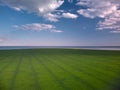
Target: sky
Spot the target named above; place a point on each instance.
(59, 22)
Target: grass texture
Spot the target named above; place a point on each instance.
(59, 69)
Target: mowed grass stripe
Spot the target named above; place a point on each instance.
(53, 75)
(59, 69)
(84, 70)
(25, 79)
(105, 61)
(6, 62)
(62, 75)
(100, 60)
(88, 65)
(46, 79)
(16, 72)
(7, 74)
(82, 75)
(94, 63)
(108, 78)
(35, 74)
(5, 59)
(66, 69)
(100, 67)
(2, 59)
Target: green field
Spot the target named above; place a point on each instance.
(59, 69)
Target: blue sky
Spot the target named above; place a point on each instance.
(59, 22)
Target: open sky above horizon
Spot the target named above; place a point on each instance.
(59, 22)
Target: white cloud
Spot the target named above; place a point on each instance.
(37, 27)
(114, 31)
(69, 15)
(111, 22)
(41, 7)
(109, 10)
(97, 8)
(57, 31)
(44, 8)
(51, 17)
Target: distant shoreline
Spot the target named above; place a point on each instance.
(118, 49)
(61, 47)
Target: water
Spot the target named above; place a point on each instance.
(69, 47)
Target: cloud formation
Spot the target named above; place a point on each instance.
(108, 10)
(41, 7)
(114, 31)
(97, 8)
(44, 8)
(69, 15)
(37, 27)
(111, 22)
(51, 17)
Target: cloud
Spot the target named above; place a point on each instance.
(41, 7)
(51, 17)
(108, 10)
(37, 27)
(114, 31)
(97, 8)
(112, 22)
(57, 31)
(69, 15)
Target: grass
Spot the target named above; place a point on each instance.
(59, 69)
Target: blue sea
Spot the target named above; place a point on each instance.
(68, 47)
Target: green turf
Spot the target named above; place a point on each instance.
(59, 69)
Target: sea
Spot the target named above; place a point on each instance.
(64, 47)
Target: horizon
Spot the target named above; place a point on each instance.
(61, 46)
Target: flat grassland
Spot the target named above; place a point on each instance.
(59, 69)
